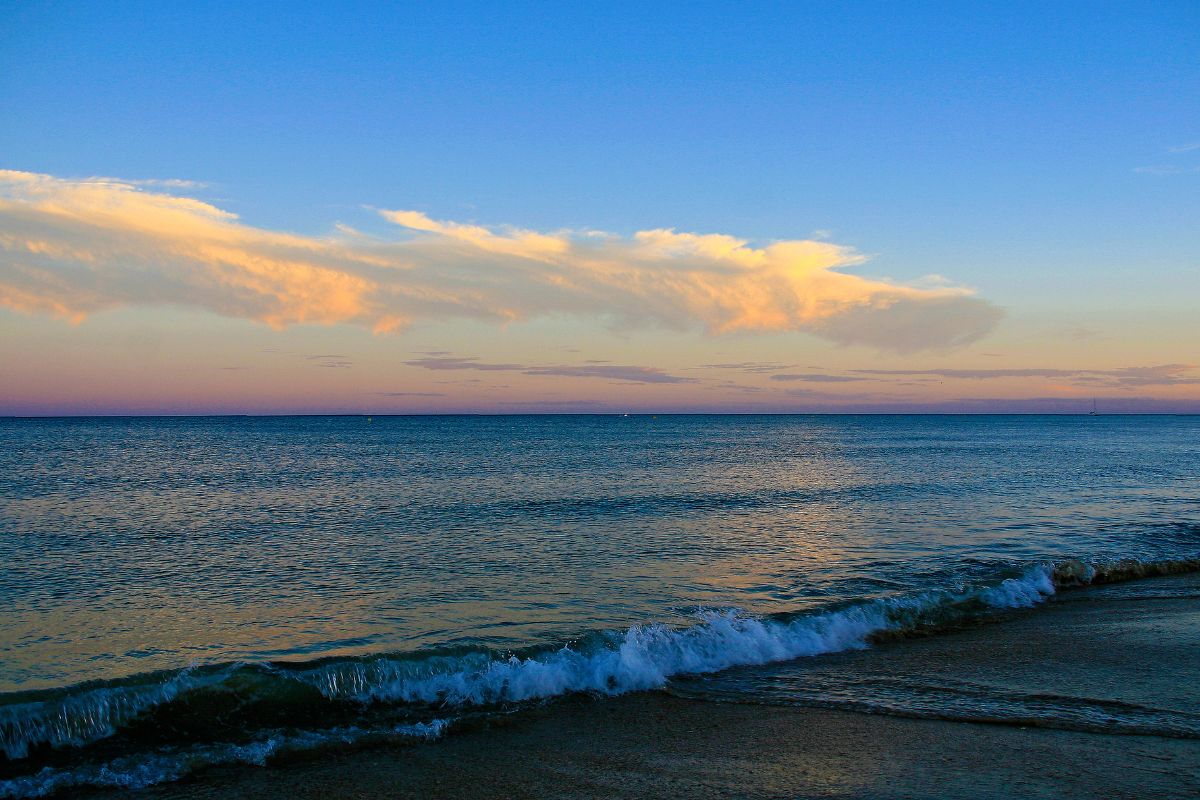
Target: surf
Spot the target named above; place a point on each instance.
(267, 708)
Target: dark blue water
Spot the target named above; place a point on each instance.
(305, 578)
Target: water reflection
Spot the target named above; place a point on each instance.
(133, 545)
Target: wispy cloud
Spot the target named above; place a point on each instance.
(839, 397)
(458, 362)
(1160, 375)
(1173, 169)
(1167, 169)
(735, 387)
(816, 377)
(330, 361)
(750, 366)
(551, 404)
(974, 374)
(612, 372)
(609, 371)
(411, 394)
(153, 183)
(76, 247)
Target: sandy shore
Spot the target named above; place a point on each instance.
(1119, 644)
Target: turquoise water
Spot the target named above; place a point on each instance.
(184, 591)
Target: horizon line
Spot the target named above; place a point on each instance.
(386, 414)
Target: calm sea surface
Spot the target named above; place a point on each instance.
(306, 577)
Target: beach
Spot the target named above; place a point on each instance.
(586, 400)
(1131, 645)
(598, 606)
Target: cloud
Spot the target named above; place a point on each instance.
(554, 403)
(75, 247)
(1184, 148)
(610, 371)
(613, 372)
(816, 377)
(734, 386)
(330, 361)
(975, 374)
(1166, 169)
(1160, 375)
(411, 394)
(750, 366)
(458, 362)
(838, 397)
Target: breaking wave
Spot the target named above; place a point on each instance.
(140, 770)
(251, 712)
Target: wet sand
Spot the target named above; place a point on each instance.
(1137, 643)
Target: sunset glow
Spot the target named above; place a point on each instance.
(381, 280)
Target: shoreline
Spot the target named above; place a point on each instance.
(1097, 643)
(654, 745)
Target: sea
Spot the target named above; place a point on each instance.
(177, 593)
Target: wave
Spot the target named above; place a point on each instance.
(395, 692)
(926, 697)
(87, 716)
(1071, 574)
(140, 770)
(985, 704)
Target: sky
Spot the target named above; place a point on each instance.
(599, 207)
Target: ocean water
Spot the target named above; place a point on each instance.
(180, 592)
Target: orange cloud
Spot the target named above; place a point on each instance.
(75, 247)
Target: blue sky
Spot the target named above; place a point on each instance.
(1035, 152)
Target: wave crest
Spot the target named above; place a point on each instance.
(417, 689)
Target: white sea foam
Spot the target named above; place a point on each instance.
(1024, 592)
(642, 657)
(147, 769)
(80, 719)
(646, 656)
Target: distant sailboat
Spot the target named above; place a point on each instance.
(1093, 412)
